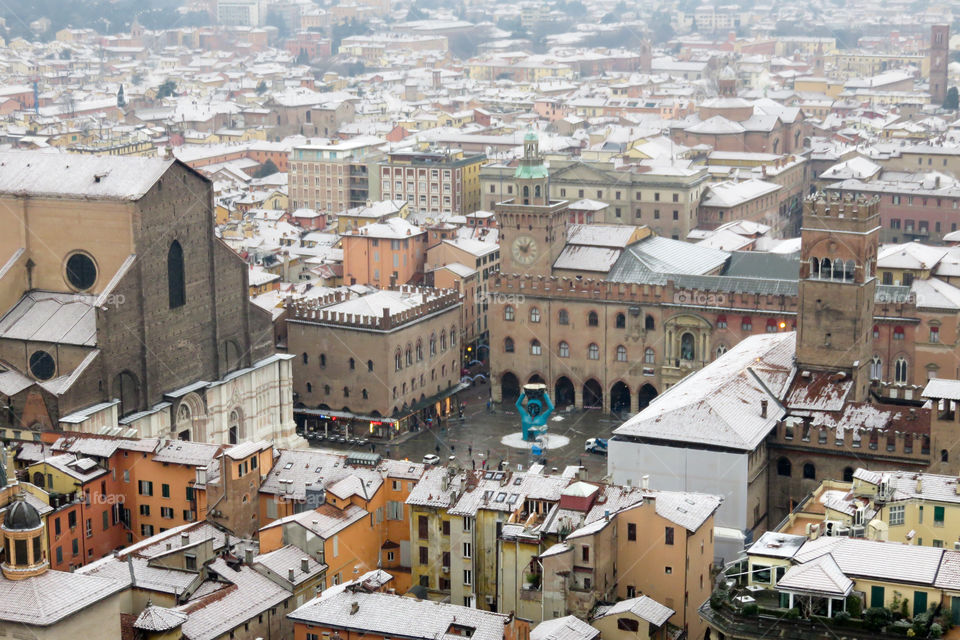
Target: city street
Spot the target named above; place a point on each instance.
(479, 434)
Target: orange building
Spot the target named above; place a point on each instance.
(384, 254)
(349, 508)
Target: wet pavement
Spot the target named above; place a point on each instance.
(478, 436)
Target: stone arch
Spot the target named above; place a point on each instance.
(191, 418)
(536, 378)
(592, 394)
(564, 393)
(509, 387)
(619, 397)
(646, 395)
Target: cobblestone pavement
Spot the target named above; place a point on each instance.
(479, 434)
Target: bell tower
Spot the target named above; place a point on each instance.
(533, 228)
(839, 242)
(939, 59)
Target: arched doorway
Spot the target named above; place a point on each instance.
(509, 388)
(563, 392)
(646, 396)
(536, 379)
(592, 395)
(620, 398)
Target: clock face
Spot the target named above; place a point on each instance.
(524, 250)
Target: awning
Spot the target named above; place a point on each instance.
(426, 402)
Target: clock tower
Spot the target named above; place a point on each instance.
(533, 228)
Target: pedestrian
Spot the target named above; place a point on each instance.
(489, 406)
(437, 448)
(580, 462)
(388, 452)
(452, 447)
(473, 461)
(488, 453)
(470, 450)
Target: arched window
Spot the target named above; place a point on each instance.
(825, 271)
(453, 336)
(809, 471)
(784, 468)
(649, 356)
(526, 191)
(323, 360)
(433, 344)
(397, 360)
(900, 371)
(621, 321)
(687, 349)
(648, 323)
(309, 388)
(443, 340)
(236, 431)
(408, 355)
(508, 345)
(849, 268)
(563, 350)
(38, 479)
(306, 358)
(326, 389)
(593, 319)
(353, 363)
(593, 351)
(746, 324)
(363, 393)
(369, 365)
(346, 392)
(848, 474)
(876, 368)
(934, 334)
(838, 269)
(419, 351)
(621, 353)
(508, 313)
(176, 276)
(944, 455)
(563, 317)
(535, 348)
(721, 349)
(534, 314)
(536, 191)
(814, 268)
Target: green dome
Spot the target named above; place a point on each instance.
(530, 137)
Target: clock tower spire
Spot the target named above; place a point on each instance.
(533, 228)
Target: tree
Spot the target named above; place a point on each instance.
(65, 54)
(268, 168)
(121, 100)
(302, 57)
(952, 102)
(415, 13)
(168, 88)
(262, 87)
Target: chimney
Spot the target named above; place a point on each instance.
(645, 482)
(184, 539)
(354, 607)
(919, 483)
(305, 564)
(290, 574)
(248, 555)
(763, 408)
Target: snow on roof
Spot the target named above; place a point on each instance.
(717, 125)
(588, 205)
(565, 628)
(821, 576)
(689, 510)
(391, 228)
(585, 258)
(776, 545)
(601, 235)
(857, 167)
(60, 318)
(909, 255)
(942, 388)
(643, 607)
(56, 175)
(47, 598)
(864, 558)
(390, 615)
(934, 293)
(373, 304)
(721, 404)
(726, 241)
(731, 194)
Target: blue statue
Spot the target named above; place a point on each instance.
(534, 417)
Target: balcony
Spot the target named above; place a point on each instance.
(764, 617)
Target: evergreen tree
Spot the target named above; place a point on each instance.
(952, 100)
(121, 100)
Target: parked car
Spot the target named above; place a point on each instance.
(595, 445)
(431, 459)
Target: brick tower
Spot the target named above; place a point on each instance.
(939, 59)
(840, 238)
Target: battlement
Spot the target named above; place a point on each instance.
(323, 310)
(909, 444)
(840, 206)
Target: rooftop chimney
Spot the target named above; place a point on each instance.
(184, 538)
(305, 564)
(763, 408)
(290, 574)
(248, 555)
(354, 607)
